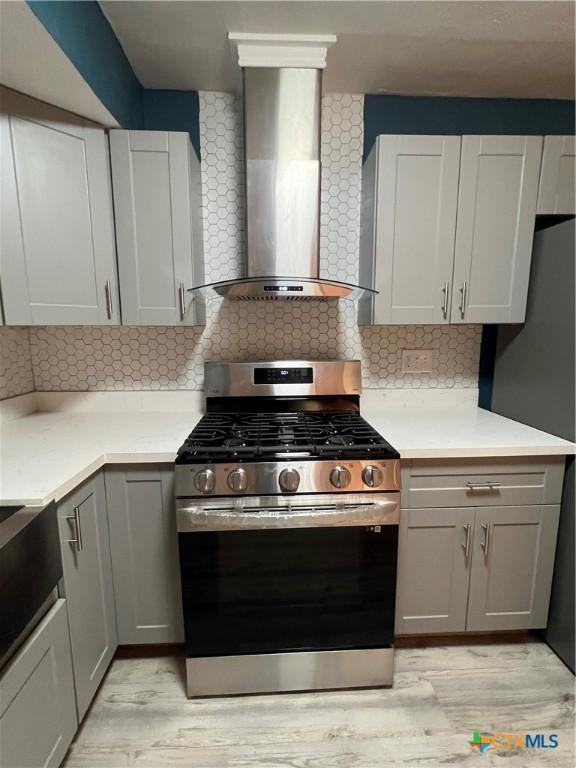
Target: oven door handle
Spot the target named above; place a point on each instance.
(194, 518)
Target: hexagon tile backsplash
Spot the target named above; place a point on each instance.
(124, 358)
(89, 358)
(16, 376)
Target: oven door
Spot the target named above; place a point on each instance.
(270, 575)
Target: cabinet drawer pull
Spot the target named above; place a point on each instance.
(463, 291)
(487, 528)
(488, 485)
(77, 528)
(466, 545)
(181, 297)
(108, 295)
(445, 301)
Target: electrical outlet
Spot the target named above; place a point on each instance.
(416, 360)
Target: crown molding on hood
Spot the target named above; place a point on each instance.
(277, 50)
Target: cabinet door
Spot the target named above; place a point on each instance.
(58, 260)
(37, 706)
(512, 564)
(556, 192)
(433, 570)
(495, 227)
(85, 543)
(155, 223)
(417, 191)
(144, 545)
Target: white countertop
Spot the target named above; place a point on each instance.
(441, 428)
(46, 454)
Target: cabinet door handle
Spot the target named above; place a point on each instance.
(182, 300)
(466, 545)
(77, 529)
(488, 485)
(445, 300)
(487, 528)
(463, 291)
(108, 295)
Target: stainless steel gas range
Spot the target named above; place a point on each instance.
(288, 507)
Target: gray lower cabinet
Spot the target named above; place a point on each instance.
(144, 546)
(475, 568)
(88, 587)
(512, 566)
(510, 481)
(37, 706)
(433, 576)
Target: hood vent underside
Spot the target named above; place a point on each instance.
(280, 289)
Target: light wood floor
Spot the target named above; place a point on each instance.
(141, 716)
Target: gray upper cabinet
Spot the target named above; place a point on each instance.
(57, 251)
(409, 197)
(82, 520)
(433, 570)
(512, 567)
(447, 224)
(37, 706)
(157, 203)
(145, 563)
(497, 196)
(556, 192)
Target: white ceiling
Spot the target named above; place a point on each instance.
(490, 48)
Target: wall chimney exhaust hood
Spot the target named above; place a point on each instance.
(282, 93)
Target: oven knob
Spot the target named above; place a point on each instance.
(238, 480)
(340, 477)
(204, 481)
(372, 476)
(289, 480)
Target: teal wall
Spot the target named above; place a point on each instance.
(173, 111)
(86, 37)
(456, 116)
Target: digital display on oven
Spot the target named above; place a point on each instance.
(283, 376)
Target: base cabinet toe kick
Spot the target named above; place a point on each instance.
(477, 542)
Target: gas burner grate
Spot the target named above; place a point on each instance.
(265, 436)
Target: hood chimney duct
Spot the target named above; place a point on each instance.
(282, 156)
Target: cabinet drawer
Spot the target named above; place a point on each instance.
(485, 482)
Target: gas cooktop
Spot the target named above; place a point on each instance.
(252, 437)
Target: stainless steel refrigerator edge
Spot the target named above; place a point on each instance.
(534, 383)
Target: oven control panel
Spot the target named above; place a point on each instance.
(324, 476)
(286, 375)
